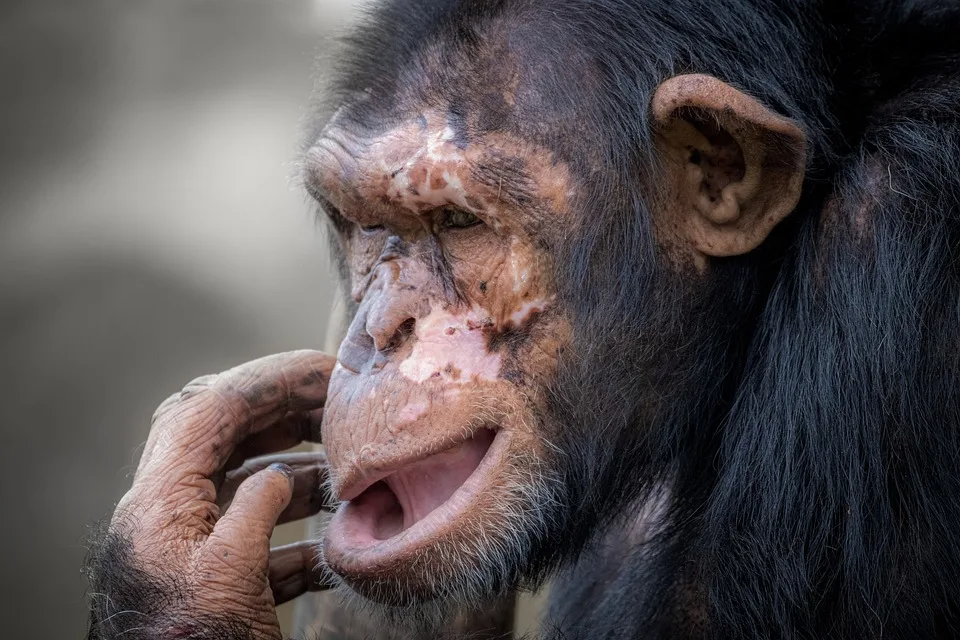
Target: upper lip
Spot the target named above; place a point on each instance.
(347, 366)
(358, 479)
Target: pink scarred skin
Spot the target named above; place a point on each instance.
(431, 409)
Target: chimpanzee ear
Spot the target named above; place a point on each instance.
(734, 167)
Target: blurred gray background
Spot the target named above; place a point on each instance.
(150, 232)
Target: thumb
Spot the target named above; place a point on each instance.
(249, 522)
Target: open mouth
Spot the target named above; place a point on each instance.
(412, 504)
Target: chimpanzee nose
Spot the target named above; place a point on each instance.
(374, 332)
(390, 328)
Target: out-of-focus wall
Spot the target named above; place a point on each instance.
(150, 232)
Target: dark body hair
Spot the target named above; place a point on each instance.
(809, 441)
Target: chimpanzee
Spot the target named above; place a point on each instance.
(654, 299)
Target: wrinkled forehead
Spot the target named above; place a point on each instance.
(514, 79)
(488, 122)
(431, 160)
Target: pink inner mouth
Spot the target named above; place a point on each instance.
(402, 499)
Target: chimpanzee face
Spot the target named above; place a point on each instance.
(433, 424)
(443, 446)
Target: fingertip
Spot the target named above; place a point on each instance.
(267, 482)
(259, 500)
(283, 468)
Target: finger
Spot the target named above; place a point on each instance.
(295, 569)
(310, 493)
(245, 529)
(290, 431)
(198, 434)
(151, 442)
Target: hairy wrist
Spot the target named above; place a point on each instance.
(127, 602)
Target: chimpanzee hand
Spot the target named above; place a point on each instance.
(187, 553)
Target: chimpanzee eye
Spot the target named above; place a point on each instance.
(373, 228)
(457, 219)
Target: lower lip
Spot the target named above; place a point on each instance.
(351, 550)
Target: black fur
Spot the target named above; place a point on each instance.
(807, 425)
(801, 405)
(133, 602)
(837, 509)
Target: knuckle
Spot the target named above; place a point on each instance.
(210, 397)
(164, 407)
(225, 394)
(203, 394)
(203, 384)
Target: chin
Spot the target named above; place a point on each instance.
(443, 531)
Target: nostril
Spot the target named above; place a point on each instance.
(388, 334)
(403, 331)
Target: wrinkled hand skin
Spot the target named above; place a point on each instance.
(187, 552)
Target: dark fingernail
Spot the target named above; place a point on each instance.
(282, 468)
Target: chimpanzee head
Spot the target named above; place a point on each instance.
(550, 238)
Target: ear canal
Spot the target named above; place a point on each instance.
(736, 168)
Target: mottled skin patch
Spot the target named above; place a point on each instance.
(456, 326)
(452, 324)
(382, 177)
(396, 184)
